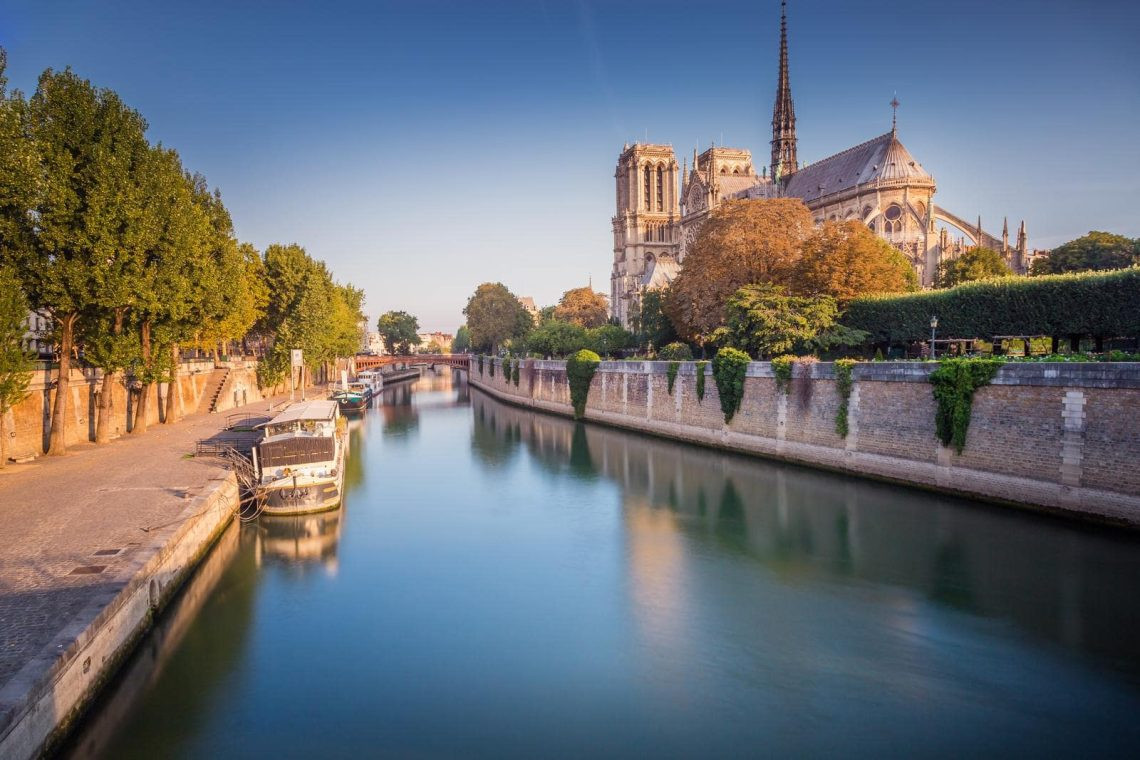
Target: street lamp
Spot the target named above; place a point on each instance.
(933, 327)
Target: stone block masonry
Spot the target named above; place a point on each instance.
(1062, 438)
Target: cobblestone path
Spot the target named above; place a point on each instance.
(70, 523)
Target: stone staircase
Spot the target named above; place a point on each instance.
(213, 391)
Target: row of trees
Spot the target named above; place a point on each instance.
(497, 322)
(133, 258)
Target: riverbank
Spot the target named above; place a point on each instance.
(96, 543)
(1057, 438)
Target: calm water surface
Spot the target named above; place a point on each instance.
(505, 584)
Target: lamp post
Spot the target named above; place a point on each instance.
(933, 327)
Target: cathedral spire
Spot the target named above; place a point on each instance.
(784, 113)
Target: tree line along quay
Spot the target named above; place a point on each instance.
(132, 259)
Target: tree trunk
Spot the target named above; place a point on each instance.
(3, 439)
(1098, 344)
(1075, 343)
(171, 388)
(58, 445)
(103, 421)
(144, 397)
(1056, 349)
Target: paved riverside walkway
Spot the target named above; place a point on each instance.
(72, 524)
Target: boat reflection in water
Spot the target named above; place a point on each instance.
(300, 539)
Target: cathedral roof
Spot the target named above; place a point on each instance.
(882, 159)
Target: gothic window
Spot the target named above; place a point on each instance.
(866, 212)
(660, 188)
(648, 188)
(872, 226)
(893, 212)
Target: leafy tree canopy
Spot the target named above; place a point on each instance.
(583, 307)
(608, 339)
(556, 338)
(764, 321)
(743, 242)
(400, 331)
(655, 326)
(494, 316)
(845, 260)
(1096, 250)
(977, 263)
(462, 341)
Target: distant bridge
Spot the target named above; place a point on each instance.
(458, 361)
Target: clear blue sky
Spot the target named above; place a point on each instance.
(422, 147)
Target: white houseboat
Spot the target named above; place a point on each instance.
(300, 461)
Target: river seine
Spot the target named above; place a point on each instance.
(501, 583)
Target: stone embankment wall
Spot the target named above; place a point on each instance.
(1058, 437)
(29, 422)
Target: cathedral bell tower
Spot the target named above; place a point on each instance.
(784, 162)
(645, 224)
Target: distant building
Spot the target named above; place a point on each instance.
(37, 334)
(528, 304)
(443, 339)
(373, 343)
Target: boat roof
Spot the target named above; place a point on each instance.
(306, 410)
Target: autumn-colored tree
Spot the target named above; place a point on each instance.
(743, 242)
(583, 307)
(977, 263)
(15, 360)
(1096, 250)
(845, 260)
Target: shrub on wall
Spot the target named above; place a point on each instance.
(1098, 304)
(701, 380)
(801, 379)
(782, 368)
(515, 373)
(677, 352)
(729, 368)
(580, 369)
(480, 364)
(491, 366)
(843, 385)
(955, 381)
(672, 374)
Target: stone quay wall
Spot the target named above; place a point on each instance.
(1062, 438)
(194, 387)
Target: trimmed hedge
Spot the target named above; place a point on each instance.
(1104, 304)
(580, 369)
(729, 369)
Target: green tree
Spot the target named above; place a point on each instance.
(400, 331)
(1096, 250)
(556, 338)
(606, 340)
(173, 279)
(764, 321)
(462, 342)
(583, 307)
(656, 328)
(494, 316)
(977, 263)
(15, 361)
(62, 229)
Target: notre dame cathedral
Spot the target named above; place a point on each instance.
(877, 182)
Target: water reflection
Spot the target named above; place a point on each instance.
(300, 539)
(1072, 586)
(516, 585)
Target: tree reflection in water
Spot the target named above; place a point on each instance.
(827, 528)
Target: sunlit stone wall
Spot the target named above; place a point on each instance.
(1060, 437)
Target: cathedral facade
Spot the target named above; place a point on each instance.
(661, 206)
